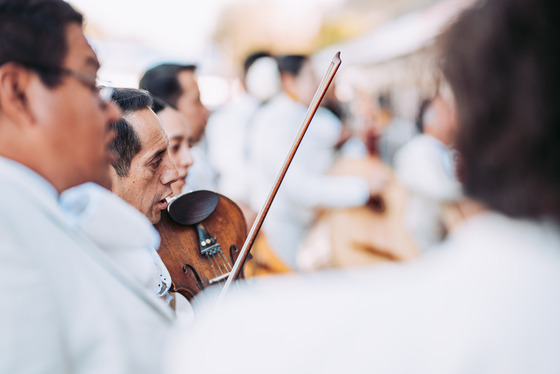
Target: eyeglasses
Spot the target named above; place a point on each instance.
(89, 80)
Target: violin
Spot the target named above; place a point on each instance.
(202, 231)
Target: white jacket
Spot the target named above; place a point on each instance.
(66, 306)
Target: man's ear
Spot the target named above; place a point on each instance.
(15, 81)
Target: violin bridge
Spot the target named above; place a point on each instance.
(220, 278)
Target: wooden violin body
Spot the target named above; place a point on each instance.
(200, 251)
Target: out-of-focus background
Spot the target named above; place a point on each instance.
(385, 44)
(368, 137)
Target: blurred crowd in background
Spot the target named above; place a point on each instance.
(375, 177)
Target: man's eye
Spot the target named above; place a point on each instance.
(157, 162)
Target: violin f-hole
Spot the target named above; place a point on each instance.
(188, 270)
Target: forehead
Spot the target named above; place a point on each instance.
(306, 70)
(174, 123)
(150, 132)
(80, 54)
(187, 80)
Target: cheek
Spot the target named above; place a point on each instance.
(89, 129)
(175, 156)
(136, 190)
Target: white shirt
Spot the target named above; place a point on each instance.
(426, 168)
(397, 133)
(125, 234)
(486, 301)
(67, 307)
(227, 134)
(202, 175)
(306, 186)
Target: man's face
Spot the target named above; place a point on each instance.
(151, 171)
(79, 130)
(180, 142)
(306, 83)
(303, 86)
(447, 122)
(190, 105)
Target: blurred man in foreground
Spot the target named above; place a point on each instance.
(67, 308)
(486, 300)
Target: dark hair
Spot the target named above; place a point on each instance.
(385, 102)
(33, 33)
(501, 59)
(162, 82)
(127, 143)
(251, 59)
(158, 105)
(291, 64)
(422, 108)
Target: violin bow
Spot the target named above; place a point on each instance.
(319, 94)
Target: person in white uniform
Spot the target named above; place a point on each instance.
(143, 175)
(177, 86)
(484, 301)
(306, 186)
(67, 307)
(229, 128)
(426, 167)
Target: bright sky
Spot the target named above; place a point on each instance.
(179, 25)
(182, 26)
(130, 35)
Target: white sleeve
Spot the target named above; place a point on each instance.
(31, 338)
(420, 168)
(307, 182)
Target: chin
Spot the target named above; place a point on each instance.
(155, 218)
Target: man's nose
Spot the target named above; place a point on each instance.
(206, 112)
(170, 174)
(185, 157)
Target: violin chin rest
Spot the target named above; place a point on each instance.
(192, 207)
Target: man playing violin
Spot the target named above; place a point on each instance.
(143, 172)
(149, 168)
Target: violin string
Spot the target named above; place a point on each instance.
(226, 263)
(211, 259)
(215, 258)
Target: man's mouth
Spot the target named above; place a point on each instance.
(163, 204)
